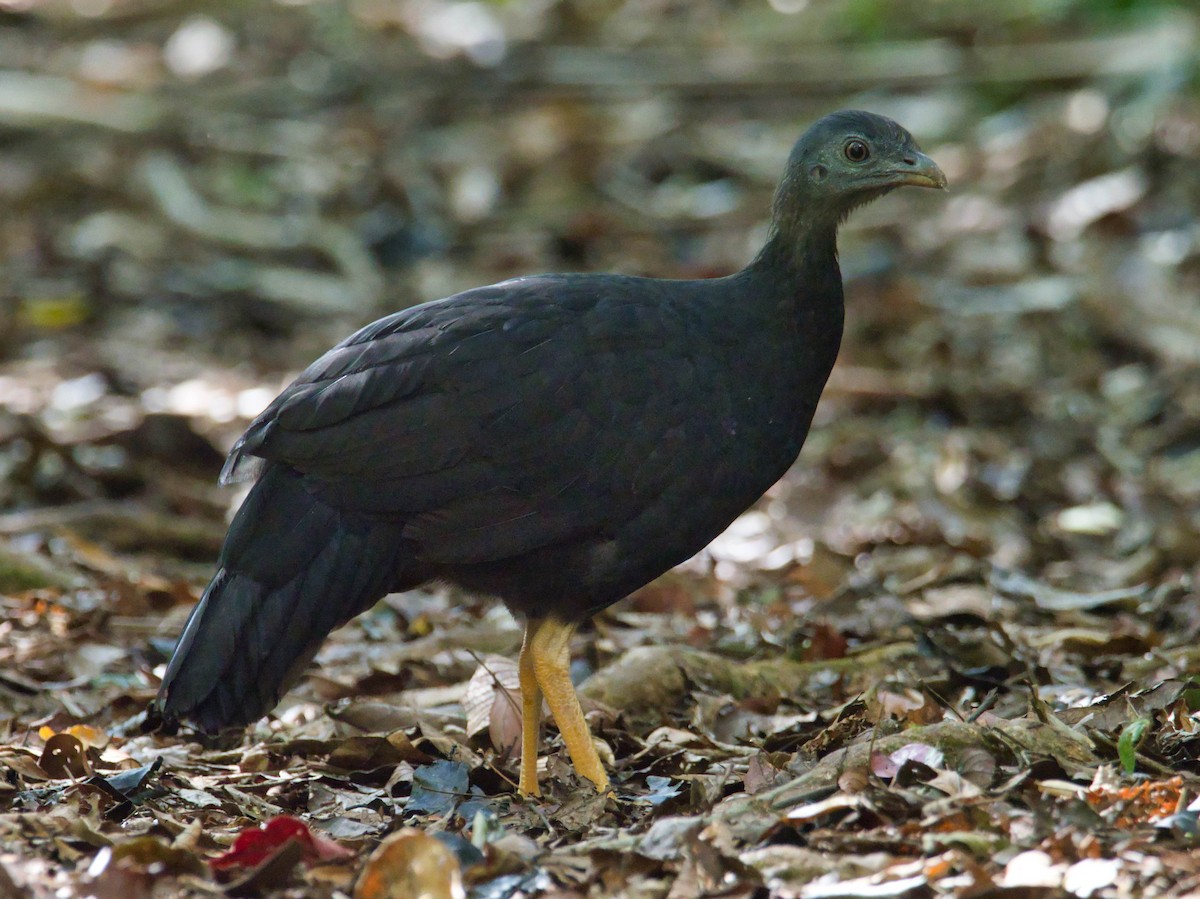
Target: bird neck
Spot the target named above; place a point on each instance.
(799, 266)
(798, 286)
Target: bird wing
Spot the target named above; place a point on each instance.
(499, 420)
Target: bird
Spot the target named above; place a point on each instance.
(555, 441)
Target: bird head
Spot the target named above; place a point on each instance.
(844, 160)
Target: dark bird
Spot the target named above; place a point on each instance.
(555, 441)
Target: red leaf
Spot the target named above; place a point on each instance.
(254, 844)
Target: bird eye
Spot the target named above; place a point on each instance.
(856, 151)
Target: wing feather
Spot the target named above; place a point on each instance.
(493, 422)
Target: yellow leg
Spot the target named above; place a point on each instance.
(531, 714)
(549, 650)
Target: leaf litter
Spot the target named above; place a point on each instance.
(950, 654)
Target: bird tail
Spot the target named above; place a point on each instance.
(292, 569)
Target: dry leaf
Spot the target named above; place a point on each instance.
(410, 864)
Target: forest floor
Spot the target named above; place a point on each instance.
(953, 653)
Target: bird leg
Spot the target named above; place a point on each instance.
(531, 713)
(548, 644)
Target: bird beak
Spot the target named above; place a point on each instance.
(922, 172)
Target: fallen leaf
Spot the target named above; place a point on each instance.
(437, 788)
(86, 735)
(1087, 876)
(254, 844)
(410, 864)
(493, 703)
(65, 756)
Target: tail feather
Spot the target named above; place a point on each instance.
(292, 569)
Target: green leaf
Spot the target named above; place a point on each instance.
(1131, 738)
(1191, 698)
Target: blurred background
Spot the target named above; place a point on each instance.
(196, 200)
(1001, 489)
